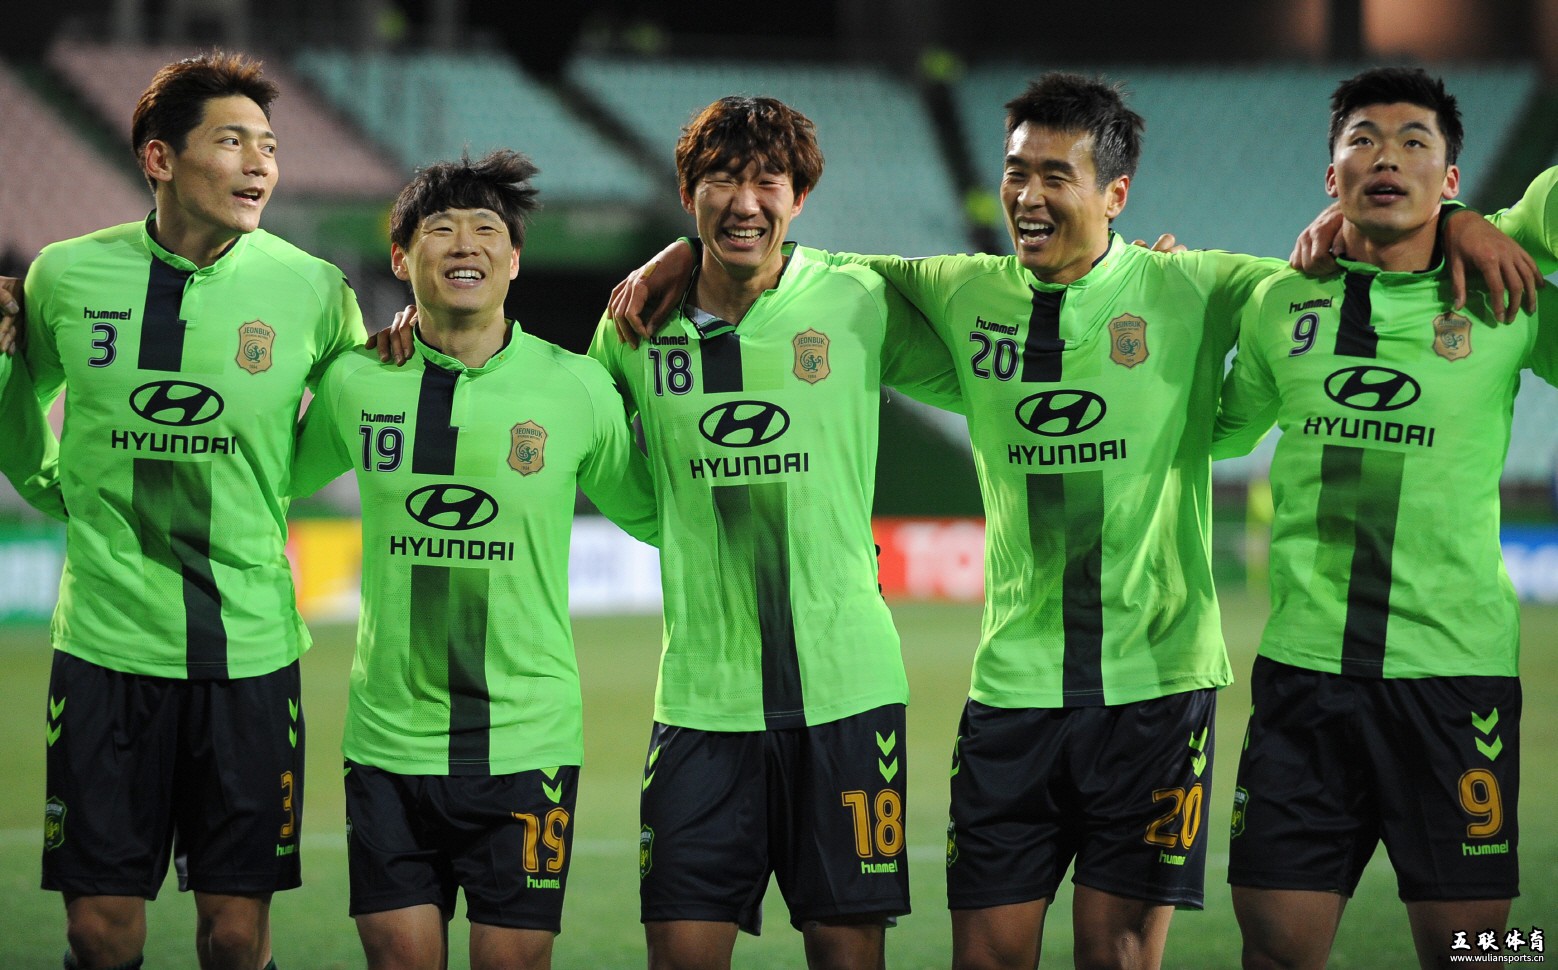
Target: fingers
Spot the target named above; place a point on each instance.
(401, 334)
(10, 315)
(1457, 280)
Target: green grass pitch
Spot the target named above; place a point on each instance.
(600, 924)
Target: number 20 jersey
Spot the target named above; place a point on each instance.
(1091, 408)
(183, 390)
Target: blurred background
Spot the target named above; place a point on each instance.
(907, 98)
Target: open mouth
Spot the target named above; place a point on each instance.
(1034, 231)
(1385, 192)
(745, 235)
(465, 275)
(250, 195)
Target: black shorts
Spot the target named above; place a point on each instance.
(1122, 790)
(504, 839)
(1333, 764)
(140, 767)
(820, 807)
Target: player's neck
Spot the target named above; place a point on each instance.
(729, 295)
(1407, 253)
(201, 245)
(470, 340)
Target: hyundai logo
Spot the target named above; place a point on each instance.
(1059, 414)
(744, 424)
(177, 403)
(1372, 388)
(452, 507)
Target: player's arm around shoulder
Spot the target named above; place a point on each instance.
(915, 359)
(320, 450)
(39, 319)
(1543, 357)
(615, 475)
(340, 324)
(1227, 282)
(1533, 221)
(1248, 407)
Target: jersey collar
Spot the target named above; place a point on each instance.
(228, 258)
(443, 361)
(707, 325)
(1098, 271)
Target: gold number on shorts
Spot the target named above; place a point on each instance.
(291, 824)
(1187, 806)
(1480, 798)
(549, 832)
(888, 831)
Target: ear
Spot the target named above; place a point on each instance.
(398, 263)
(686, 200)
(1117, 192)
(1452, 183)
(514, 263)
(800, 202)
(157, 160)
(1330, 182)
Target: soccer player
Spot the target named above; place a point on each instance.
(1386, 695)
(778, 744)
(1090, 371)
(185, 342)
(464, 730)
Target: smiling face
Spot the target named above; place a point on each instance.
(215, 188)
(742, 218)
(1056, 214)
(1388, 173)
(459, 263)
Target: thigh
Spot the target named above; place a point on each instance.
(1448, 763)
(112, 742)
(1011, 833)
(1306, 812)
(509, 840)
(836, 818)
(1142, 773)
(703, 841)
(414, 938)
(393, 858)
(240, 781)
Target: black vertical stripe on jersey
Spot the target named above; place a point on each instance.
(755, 521)
(449, 624)
(1355, 337)
(720, 363)
(432, 450)
(1374, 479)
(1066, 524)
(162, 331)
(1041, 351)
(172, 505)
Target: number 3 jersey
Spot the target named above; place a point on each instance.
(468, 475)
(762, 440)
(1395, 412)
(183, 392)
(1091, 408)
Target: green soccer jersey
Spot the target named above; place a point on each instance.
(184, 385)
(762, 441)
(1395, 413)
(465, 662)
(1090, 409)
(29, 452)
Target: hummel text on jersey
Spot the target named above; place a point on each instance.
(384, 418)
(1006, 328)
(173, 444)
(1370, 429)
(87, 313)
(792, 461)
(1309, 305)
(471, 550)
(1069, 454)
(867, 868)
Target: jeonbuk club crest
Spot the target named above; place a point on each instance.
(527, 448)
(255, 340)
(1127, 340)
(646, 850)
(811, 356)
(1452, 336)
(53, 824)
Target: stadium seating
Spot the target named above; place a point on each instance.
(319, 155)
(49, 172)
(429, 107)
(885, 187)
